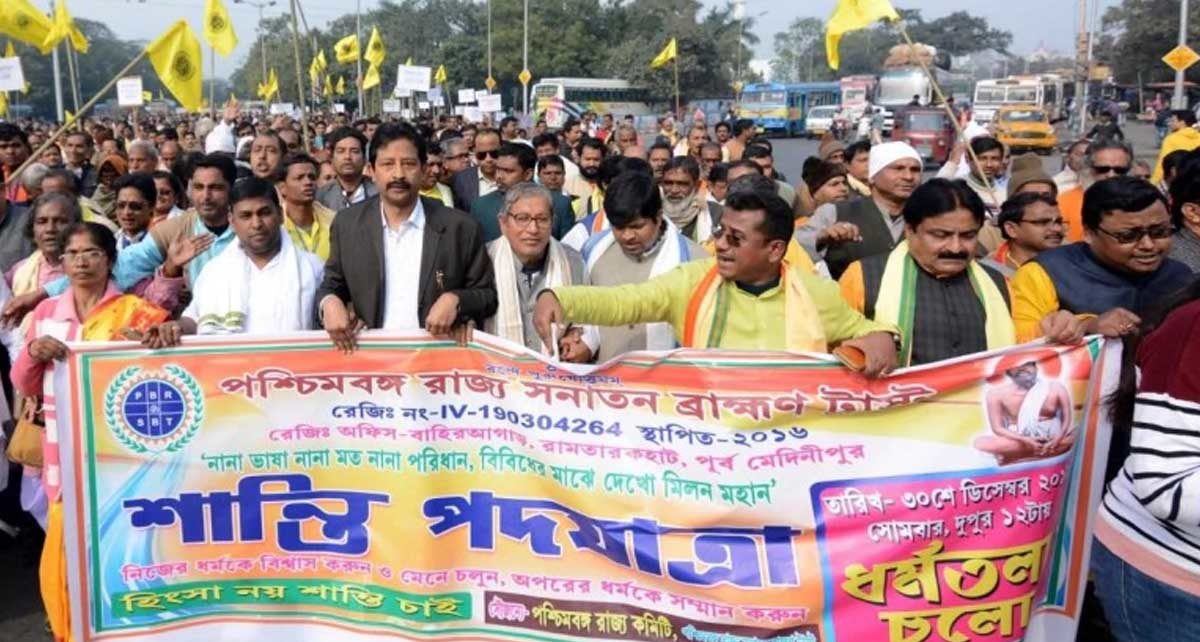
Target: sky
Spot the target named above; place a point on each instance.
(1053, 28)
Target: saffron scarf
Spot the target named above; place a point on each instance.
(104, 323)
(897, 302)
(707, 314)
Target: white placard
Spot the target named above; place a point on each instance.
(473, 114)
(466, 96)
(459, 110)
(435, 95)
(402, 93)
(285, 109)
(490, 103)
(406, 113)
(413, 78)
(12, 77)
(391, 106)
(423, 104)
(480, 93)
(129, 91)
(339, 108)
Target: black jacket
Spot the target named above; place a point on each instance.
(453, 259)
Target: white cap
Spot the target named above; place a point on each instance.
(220, 139)
(888, 153)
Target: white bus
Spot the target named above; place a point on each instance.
(1045, 91)
(557, 99)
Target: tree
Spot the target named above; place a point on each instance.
(958, 33)
(800, 52)
(1139, 33)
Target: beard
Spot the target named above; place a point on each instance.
(591, 174)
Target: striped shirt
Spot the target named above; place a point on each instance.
(1151, 511)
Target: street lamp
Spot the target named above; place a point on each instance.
(260, 5)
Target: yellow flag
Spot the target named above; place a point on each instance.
(317, 67)
(664, 56)
(64, 27)
(147, 97)
(9, 51)
(439, 77)
(372, 77)
(68, 117)
(376, 52)
(328, 87)
(852, 15)
(176, 58)
(218, 29)
(4, 103)
(341, 86)
(346, 49)
(270, 87)
(25, 22)
(408, 63)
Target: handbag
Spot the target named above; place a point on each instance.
(25, 445)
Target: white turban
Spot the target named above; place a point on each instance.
(220, 139)
(888, 153)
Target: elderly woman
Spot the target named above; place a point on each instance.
(52, 213)
(91, 309)
(105, 197)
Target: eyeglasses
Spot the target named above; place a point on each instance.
(494, 153)
(1045, 222)
(523, 221)
(89, 255)
(1119, 170)
(1135, 234)
(455, 156)
(732, 238)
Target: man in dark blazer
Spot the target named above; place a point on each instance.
(399, 261)
(480, 179)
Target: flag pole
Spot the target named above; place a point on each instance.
(299, 79)
(86, 106)
(74, 79)
(937, 89)
(212, 84)
(675, 59)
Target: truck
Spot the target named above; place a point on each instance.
(857, 93)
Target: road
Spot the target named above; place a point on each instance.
(21, 617)
(791, 152)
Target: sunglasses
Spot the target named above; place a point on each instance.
(1135, 234)
(1110, 169)
(495, 153)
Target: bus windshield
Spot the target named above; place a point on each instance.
(1024, 116)
(546, 91)
(765, 97)
(989, 95)
(1022, 95)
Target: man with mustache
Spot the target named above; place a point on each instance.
(399, 261)
(684, 204)
(306, 221)
(348, 153)
(1031, 224)
(591, 154)
(1106, 283)
(845, 232)
(944, 302)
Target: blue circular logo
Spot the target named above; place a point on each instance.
(154, 409)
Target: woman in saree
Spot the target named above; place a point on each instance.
(91, 309)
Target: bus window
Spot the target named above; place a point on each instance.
(1022, 95)
(546, 91)
(989, 95)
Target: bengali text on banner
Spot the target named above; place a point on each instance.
(416, 490)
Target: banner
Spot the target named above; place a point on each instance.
(261, 489)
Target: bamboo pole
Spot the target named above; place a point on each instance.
(86, 106)
(299, 80)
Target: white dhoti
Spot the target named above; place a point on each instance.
(1029, 419)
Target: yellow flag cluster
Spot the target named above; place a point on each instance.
(63, 28)
(175, 56)
(328, 92)
(317, 67)
(376, 52)
(346, 49)
(24, 22)
(853, 15)
(439, 76)
(340, 89)
(666, 55)
(218, 29)
(270, 88)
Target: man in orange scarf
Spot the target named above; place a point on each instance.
(747, 298)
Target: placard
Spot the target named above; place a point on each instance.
(12, 76)
(435, 95)
(480, 93)
(402, 93)
(490, 103)
(339, 108)
(466, 96)
(460, 110)
(284, 109)
(129, 91)
(406, 113)
(413, 77)
(473, 114)
(423, 104)
(391, 106)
